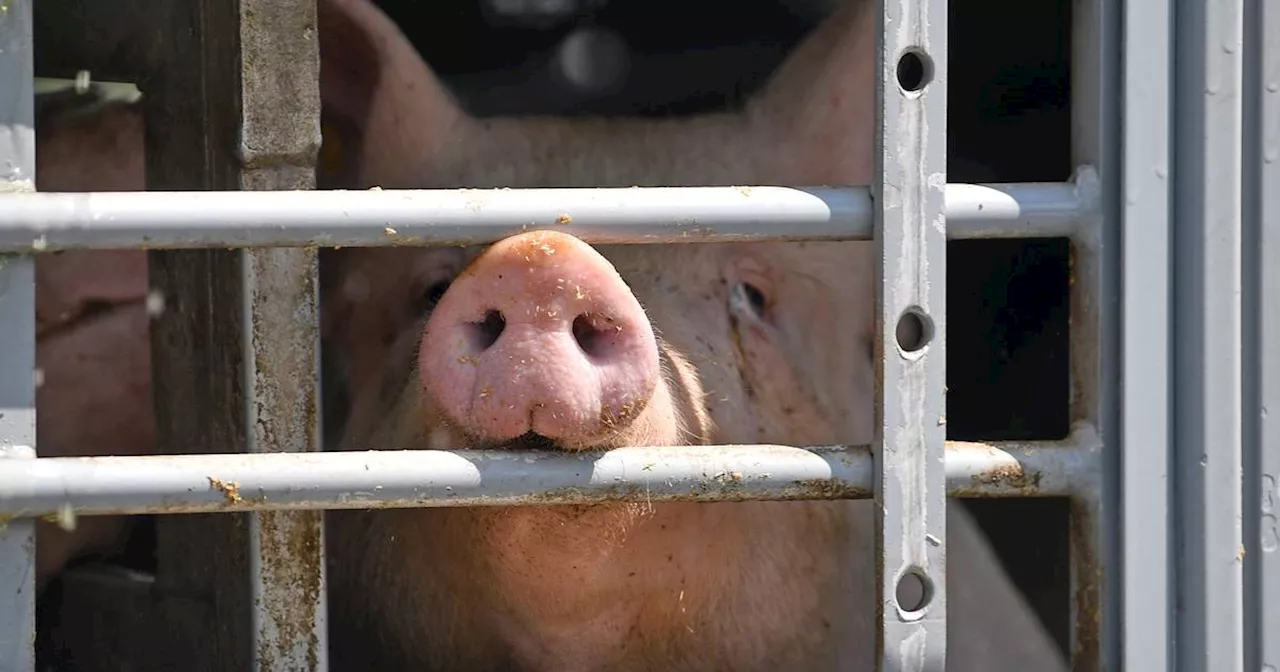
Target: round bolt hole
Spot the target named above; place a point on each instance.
(915, 70)
(914, 591)
(915, 330)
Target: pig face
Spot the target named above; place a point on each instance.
(779, 333)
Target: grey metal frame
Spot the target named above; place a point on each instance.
(1171, 468)
(1208, 332)
(18, 334)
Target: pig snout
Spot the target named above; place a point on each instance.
(540, 336)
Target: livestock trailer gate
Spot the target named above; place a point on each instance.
(1173, 218)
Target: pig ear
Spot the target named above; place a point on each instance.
(385, 113)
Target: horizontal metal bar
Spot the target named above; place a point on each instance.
(124, 92)
(158, 484)
(376, 218)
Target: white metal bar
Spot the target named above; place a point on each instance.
(229, 482)
(1262, 334)
(1207, 365)
(236, 219)
(1146, 401)
(17, 336)
(910, 237)
(280, 125)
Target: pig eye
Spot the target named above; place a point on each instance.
(752, 298)
(432, 295)
(755, 297)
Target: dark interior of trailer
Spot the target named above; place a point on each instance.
(1009, 120)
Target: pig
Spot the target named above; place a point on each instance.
(94, 363)
(542, 340)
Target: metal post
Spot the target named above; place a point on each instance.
(1095, 331)
(910, 238)
(280, 139)
(281, 371)
(234, 352)
(1145, 448)
(1262, 336)
(17, 337)
(1207, 365)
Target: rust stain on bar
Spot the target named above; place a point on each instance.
(229, 489)
(1088, 577)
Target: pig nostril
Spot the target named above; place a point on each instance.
(488, 330)
(589, 337)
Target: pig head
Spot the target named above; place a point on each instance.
(542, 341)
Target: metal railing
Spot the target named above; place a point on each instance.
(1178, 369)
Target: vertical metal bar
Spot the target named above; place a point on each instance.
(1095, 330)
(281, 368)
(1262, 334)
(910, 239)
(233, 103)
(280, 139)
(17, 438)
(1145, 448)
(1208, 330)
(17, 336)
